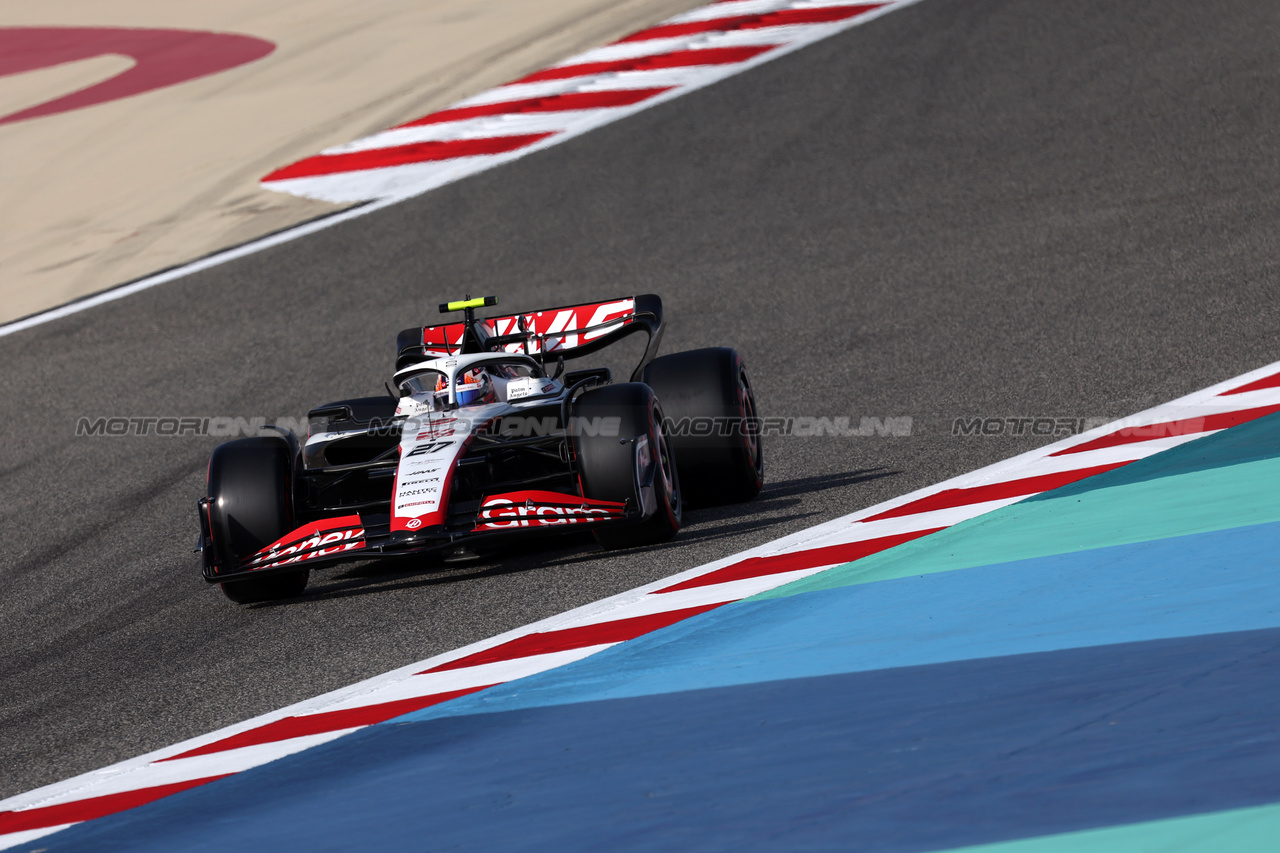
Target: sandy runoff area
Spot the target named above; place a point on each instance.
(97, 195)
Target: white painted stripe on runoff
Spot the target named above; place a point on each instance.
(209, 262)
(119, 779)
(449, 680)
(13, 839)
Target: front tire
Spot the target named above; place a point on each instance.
(251, 507)
(713, 426)
(607, 464)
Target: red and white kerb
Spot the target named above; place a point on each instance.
(676, 56)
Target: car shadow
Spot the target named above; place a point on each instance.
(766, 510)
(702, 524)
(786, 493)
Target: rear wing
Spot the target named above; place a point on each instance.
(570, 331)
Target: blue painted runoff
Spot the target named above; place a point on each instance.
(1226, 580)
(895, 761)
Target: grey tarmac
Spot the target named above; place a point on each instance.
(965, 209)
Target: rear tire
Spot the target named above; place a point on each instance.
(250, 485)
(709, 387)
(607, 464)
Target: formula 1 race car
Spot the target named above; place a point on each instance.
(479, 443)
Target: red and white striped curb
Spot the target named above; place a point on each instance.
(646, 68)
(580, 633)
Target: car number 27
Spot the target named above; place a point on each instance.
(430, 447)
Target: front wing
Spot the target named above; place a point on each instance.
(343, 538)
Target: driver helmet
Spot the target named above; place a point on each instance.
(474, 387)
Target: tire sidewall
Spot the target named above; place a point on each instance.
(606, 463)
(251, 490)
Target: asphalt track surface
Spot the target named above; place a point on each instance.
(994, 208)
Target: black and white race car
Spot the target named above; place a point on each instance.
(481, 443)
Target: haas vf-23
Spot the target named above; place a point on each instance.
(487, 438)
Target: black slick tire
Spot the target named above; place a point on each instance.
(249, 484)
(606, 461)
(712, 424)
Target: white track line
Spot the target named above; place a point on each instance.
(214, 260)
